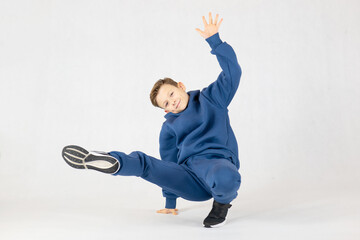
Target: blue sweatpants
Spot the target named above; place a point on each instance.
(199, 179)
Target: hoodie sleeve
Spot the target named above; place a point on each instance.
(222, 91)
(170, 199)
(168, 152)
(167, 142)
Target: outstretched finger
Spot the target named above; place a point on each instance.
(199, 31)
(204, 21)
(210, 18)
(216, 19)
(219, 23)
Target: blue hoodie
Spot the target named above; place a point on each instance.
(203, 128)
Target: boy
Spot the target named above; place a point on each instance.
(199, 154)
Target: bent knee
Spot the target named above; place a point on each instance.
(225, 177)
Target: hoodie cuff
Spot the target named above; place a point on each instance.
(170, 203)
(214, 40)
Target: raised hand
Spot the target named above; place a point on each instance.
(210, 28)
(167, 211)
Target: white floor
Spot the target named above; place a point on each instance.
(253, 216)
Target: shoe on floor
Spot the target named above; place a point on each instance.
(78, 157)
(217, 215)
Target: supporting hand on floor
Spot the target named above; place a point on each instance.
(167, 211)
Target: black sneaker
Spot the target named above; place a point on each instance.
(217, 215)
(78, 157)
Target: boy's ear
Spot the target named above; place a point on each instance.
(181, 85)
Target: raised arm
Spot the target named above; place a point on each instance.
(224, 88)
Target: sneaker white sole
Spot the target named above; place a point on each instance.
(216, 226)
(80, 158)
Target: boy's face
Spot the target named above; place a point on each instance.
(172, 99)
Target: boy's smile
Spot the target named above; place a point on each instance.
(172, 99)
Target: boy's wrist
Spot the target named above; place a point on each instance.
(170, 203)
(214, 40)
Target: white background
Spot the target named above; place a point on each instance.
(80, 72)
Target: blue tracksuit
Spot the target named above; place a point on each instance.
(197, 146)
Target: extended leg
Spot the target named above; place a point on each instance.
(167, 175)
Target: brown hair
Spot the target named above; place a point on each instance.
(155, 90)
